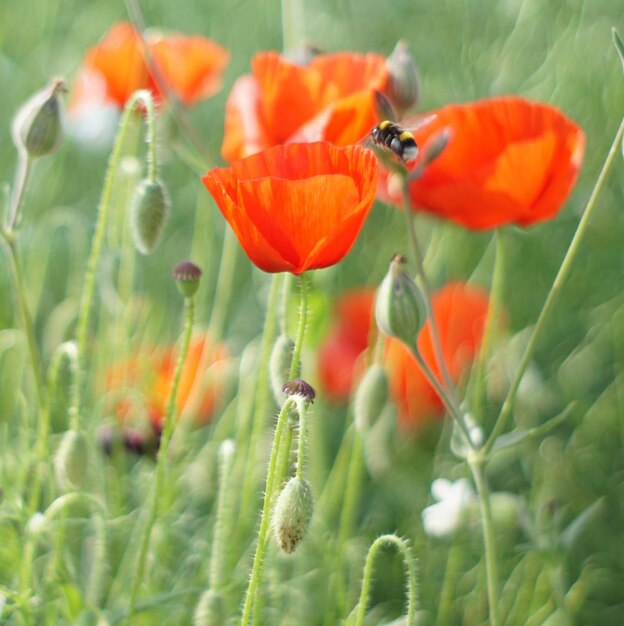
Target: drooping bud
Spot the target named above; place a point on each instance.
(187, 276)
(299, 387)
(37, 127)
(370, 397)
(279, 365)
(436, 146)
(210, 610)
(404, 85)
(148, 214)
(292, 514)
(399, 306)
(71, 462)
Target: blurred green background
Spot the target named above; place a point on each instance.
(557, 52)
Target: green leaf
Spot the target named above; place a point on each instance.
(580, 523)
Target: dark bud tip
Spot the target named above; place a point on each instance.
(299, 387)
(187, 276)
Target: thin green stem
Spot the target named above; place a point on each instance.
(221, 529)
(302, 410)
(493, 312)
(491, 566)
(449, 401)
(292, 24)
(86, 301)
(161, 460)
(256, 570)
(555, 290)
(425, 286)
(410, 567)
(261, 402)
(24, 168)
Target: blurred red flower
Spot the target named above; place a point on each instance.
(140, 386)
(332, 98)
(460, 311)
(191, 66)
(296, 207)
(508, 161)
(347, 340)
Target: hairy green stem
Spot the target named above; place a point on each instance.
(555, 290)
(24, 168)
(412, 584)
(161, 460)
(86, 301)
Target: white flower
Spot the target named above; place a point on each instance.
(445, 517)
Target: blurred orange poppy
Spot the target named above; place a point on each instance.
(140, 387)
(191, 66)
(332, 98)
(508, 161)
(460, 311)
(296, 207)
(339, 353)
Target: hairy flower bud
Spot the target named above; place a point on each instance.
(370, 397)
(279, 365)
(148, 214)
(187, 276)
(436, 145)
(72, 461)
(404, 84)
(210, 610)
(37, 127)
(399, 306)
(292, 514)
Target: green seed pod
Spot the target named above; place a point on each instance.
(37, 127)
(148, 214)
(210, 610)
(399, 306)
(187, 276)
(279, 365)
(292, 514)
(71, 462)
(370, 397)
(404, 84)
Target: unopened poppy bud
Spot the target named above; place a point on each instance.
(370, 397)
(300, 388)
(505, 510)
(399, 306)
(435, 146)
(210, 610)
(404, 85)
(279, 365)
(71, 462)
(187, 276)
(37, 127)
(148, 214)
(292, 514)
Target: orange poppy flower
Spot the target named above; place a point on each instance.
(338, 355)
(460, 312)
(141, 386)
(296, 207)
(332, 98)
(115, 68)
(508, 161)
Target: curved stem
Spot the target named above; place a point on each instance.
(449, 401)
(425, 286)
(302, 409)
(86, 301)
(412, 586)
(161, 460)
(476, 466)
(24, 167)
(493, 312)
(555, 290)
(256, 570)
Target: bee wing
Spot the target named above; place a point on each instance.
(415, 125)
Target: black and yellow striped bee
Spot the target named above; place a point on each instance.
(397, 139)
